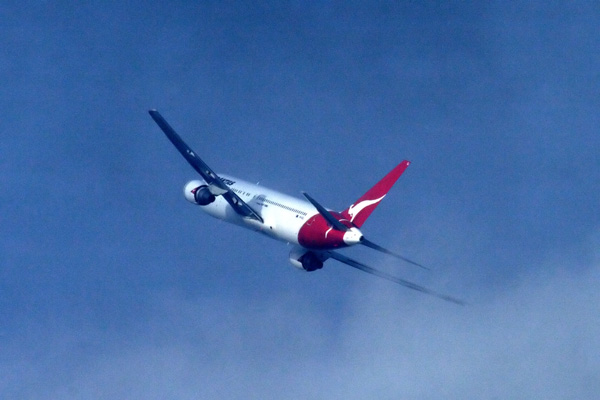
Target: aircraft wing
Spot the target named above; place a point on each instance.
(400, 281)
(216, 186)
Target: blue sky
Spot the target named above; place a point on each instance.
(112, 286)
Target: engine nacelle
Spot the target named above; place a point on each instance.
(305, 260)
(198, 193)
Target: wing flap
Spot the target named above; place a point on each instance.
(216, 186)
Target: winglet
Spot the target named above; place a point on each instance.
(362, 208)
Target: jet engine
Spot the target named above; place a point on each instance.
(198, 193)
(306, 260)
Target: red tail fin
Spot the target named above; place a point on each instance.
(358, 212)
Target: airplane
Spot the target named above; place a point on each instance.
(315, 232)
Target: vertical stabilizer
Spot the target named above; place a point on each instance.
(358, 212)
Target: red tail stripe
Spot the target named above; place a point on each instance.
(364, 206)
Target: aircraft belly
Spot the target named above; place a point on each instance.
(280, 224)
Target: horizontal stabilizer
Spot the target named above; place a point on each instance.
(400, 281)
(377, 247)
(329, 217)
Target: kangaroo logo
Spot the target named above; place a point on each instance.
(354, 210)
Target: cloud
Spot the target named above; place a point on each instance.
(539, 339)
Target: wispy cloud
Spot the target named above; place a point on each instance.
(540, 339)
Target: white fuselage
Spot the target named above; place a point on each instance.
(283, 215)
